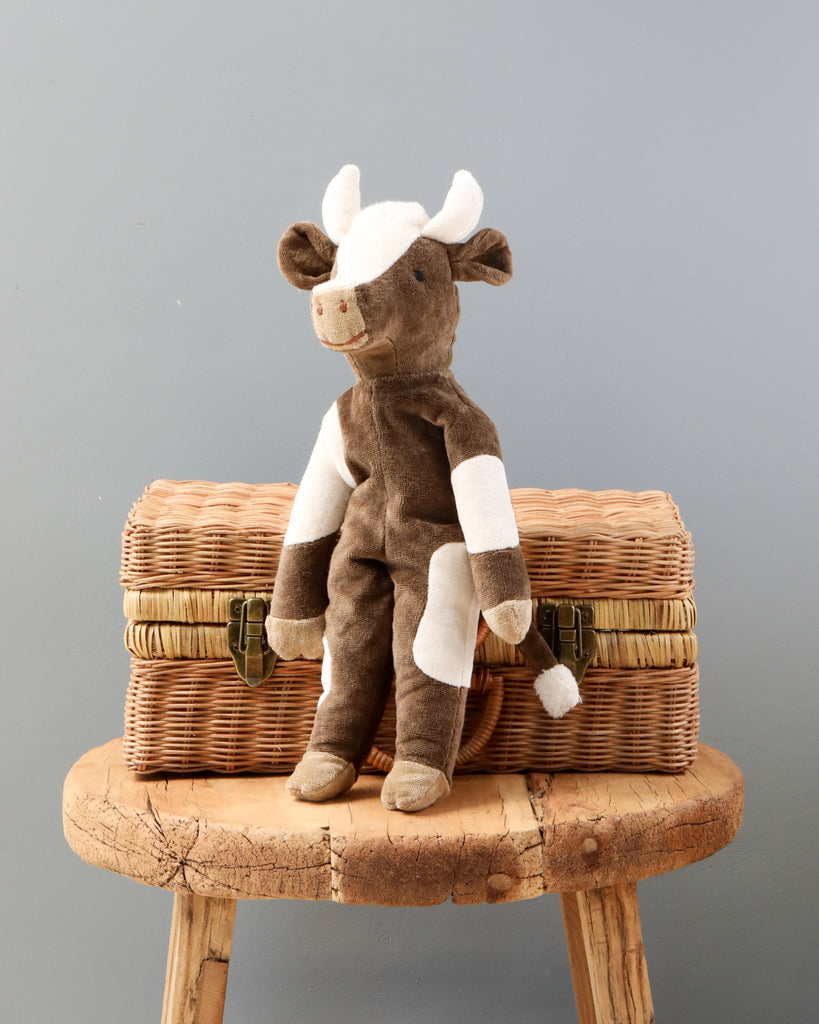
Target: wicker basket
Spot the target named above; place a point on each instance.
(190, 547)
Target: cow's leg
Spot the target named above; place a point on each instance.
(355, 675)
(434, 629)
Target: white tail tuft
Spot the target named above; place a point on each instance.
(557, 689)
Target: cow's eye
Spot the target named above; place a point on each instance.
(419, 275)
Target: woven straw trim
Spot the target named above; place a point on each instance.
(184, 605)
(187, 605)
(633, 614)
(614, 650)
(176, 641)
(198, 716)
(615, 621)
(591, 543)
(183, 641)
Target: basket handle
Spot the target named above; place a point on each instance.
(484, 684)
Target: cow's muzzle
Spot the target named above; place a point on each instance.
(337, 320)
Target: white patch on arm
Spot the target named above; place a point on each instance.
(484, 505)
(325, 489)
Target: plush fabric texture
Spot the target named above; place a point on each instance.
(484, 257)
(338, 321)
(558, 690)
(406, 528)
(510, 620)
(296, 638)
(378, 237)
(500, 576)
(305, 566)
(460, 213)
(412, 787)
(444, 645)
(342, 201)
(457, 217)
(322, 497)
(306, 255)
(484, 506)
(320, 776)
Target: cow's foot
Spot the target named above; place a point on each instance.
(320, 776)
(412, 787)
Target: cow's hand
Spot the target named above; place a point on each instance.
(510, 620)
(296, 638)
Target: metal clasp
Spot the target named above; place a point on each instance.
(253, 657)
(568, 630)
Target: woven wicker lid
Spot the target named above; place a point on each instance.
(194, 533)
(198, 534)
(621, 544)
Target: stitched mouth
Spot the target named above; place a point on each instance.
(344, 344)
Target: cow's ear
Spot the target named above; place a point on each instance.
(483, 257)
(306, 255)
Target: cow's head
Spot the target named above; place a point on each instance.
(383, 278)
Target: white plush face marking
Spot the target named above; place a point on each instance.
(379, 235)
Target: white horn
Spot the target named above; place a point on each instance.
(460, 213)
(342, 201)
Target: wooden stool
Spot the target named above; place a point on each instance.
(495, 839)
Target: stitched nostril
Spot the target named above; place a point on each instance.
(319, 310)
(342, 306)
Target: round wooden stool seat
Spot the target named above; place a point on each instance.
(495, 838)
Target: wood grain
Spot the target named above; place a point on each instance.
(481, 844)
(601, 829)
(495, 838)
(578, 961)
(198, 959)
(615, 960)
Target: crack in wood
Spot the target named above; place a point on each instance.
(581, 831)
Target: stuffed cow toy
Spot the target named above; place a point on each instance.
(402, 530)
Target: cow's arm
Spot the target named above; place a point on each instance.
(295, 625)
(498, 568)
(491, 535)
(487, 520)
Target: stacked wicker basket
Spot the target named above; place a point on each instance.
(190, 547)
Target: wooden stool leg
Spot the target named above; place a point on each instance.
(577, 958)
(606, 955)
(198, 957)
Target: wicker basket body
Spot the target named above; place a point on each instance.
(190, 547)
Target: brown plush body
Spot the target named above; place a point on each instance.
(402, 434)
(403, 529)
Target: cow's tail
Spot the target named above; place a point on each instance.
(555, 684)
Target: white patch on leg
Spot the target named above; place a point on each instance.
(444, 646)
(326, 673)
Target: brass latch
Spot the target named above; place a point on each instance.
(253, 657)
(568, 630)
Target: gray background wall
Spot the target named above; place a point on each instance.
(654, 167)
